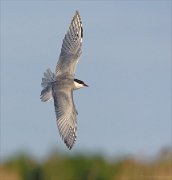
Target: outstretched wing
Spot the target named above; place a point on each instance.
(71, 47)
(65, 115)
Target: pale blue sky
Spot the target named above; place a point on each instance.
(126, 61)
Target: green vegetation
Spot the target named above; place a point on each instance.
(81, 167)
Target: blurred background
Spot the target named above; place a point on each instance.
(124, 121)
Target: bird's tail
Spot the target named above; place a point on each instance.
(47, 80)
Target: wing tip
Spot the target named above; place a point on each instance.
(77, 12)
(69, 146)
(77, 15)
(70, 139)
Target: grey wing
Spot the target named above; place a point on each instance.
(71, 47)
(65, 115)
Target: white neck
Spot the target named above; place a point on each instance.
(77, 85)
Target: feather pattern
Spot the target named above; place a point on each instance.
(71, 47)
(47, 81)
(65, 114)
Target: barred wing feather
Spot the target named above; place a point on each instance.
(71, 47)
(66, 116)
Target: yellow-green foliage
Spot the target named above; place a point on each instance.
(80, 167)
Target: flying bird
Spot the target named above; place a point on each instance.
(59, 86)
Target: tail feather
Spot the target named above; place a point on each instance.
(47, 80)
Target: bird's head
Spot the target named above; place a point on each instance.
(79, 84)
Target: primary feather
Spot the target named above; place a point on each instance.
(65, 113)
(71, 47)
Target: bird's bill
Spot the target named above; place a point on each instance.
(85, 85)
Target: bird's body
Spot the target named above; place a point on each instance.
(60, 85)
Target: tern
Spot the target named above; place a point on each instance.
(59, 86)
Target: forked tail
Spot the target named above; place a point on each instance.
(47, 80)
